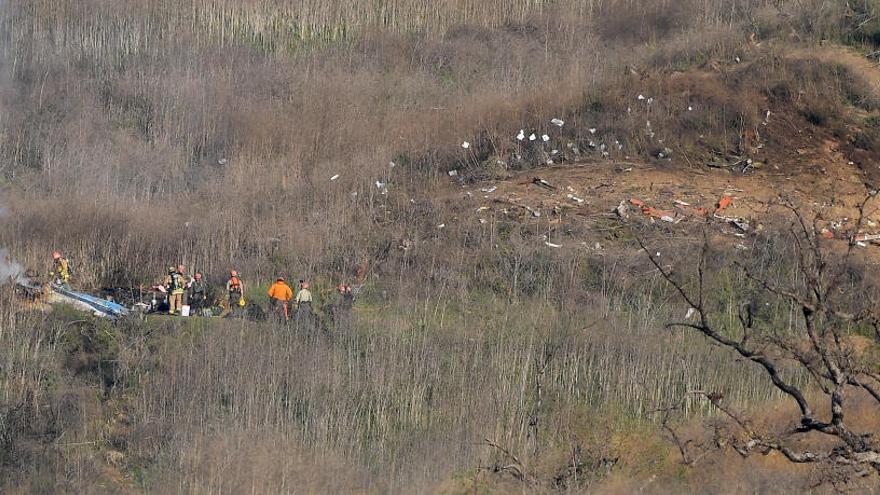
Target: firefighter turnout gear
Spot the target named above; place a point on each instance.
(60, 270)
(175, 284)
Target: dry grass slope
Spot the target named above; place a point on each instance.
(138, 134)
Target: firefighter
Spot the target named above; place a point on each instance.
(60, 270)
(304, 306)
(280, 295)
(197, 294)
(235, 290)
(175, 284)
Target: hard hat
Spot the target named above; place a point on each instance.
(198, 276)
(56, 255)
(170, 269)
(233, 273)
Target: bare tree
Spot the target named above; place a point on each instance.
(820, 346)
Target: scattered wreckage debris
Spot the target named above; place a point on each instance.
(543, 183)
(650, 211)
(51, 295)
(685, 210)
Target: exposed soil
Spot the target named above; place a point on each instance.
(823, 174)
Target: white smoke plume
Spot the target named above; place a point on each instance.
(10, 270)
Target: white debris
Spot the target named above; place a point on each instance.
(545, 138)
(392, 164)
(532, 137)
(650, 101)
(465, 145)
(442, 225)
(641, 97)
(592, 130)
(482, 221)
(575, 199)
(690, 312)
(550, 244)
(521, 135)
(690, 109)
(490, 189)
(222, 161)
(558, 122)
(334, 177)
(553, 152)
(453, 173)
(667, 218)
(737, 59)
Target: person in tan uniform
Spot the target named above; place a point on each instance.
(304, 306)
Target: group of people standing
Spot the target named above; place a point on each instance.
(193, 292)
(285, 305)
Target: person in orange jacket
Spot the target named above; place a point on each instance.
(280, 295)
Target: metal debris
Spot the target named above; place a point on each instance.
(543, 183)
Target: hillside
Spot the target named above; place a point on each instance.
(598, 246)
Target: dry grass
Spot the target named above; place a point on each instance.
(116, 117)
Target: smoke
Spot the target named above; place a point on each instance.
(10, 270)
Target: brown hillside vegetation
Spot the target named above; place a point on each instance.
(525, 192)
